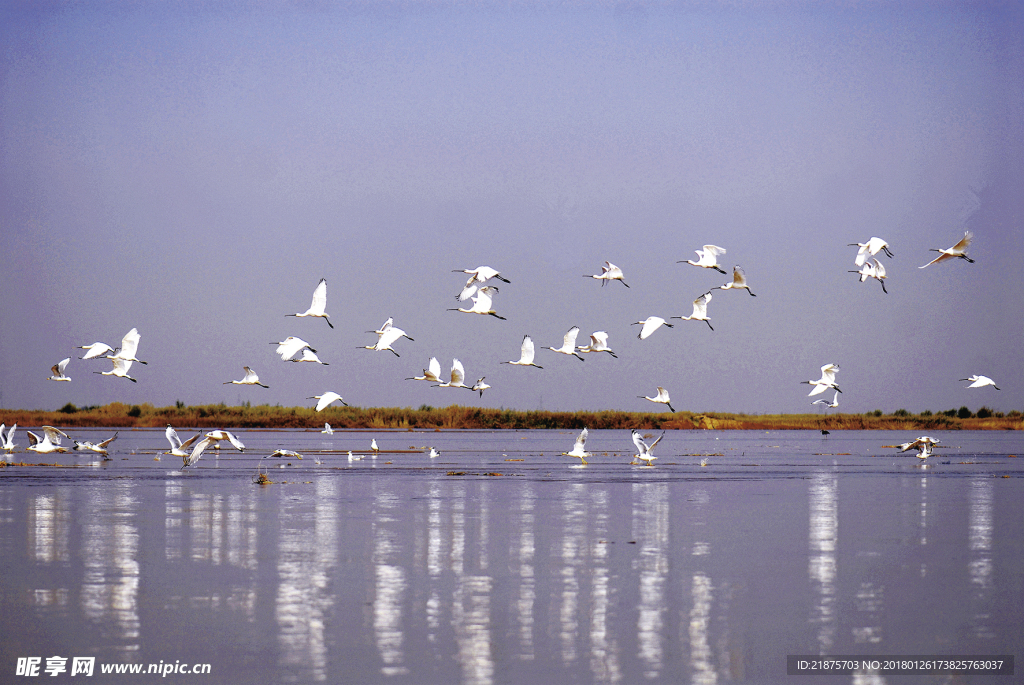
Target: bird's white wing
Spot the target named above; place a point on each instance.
(738, 277)
(879, 270)
(467, 292)
(700, 306)
(527, 352)
(188, 443)
(250, 376)
(319, 298)
(964, 242)
(458, 373)
(197, 451)
(569, 339)
(130, 344)
(389, 336)
(61, 365)
(33, 439)
(235, 441)
(172, 437)
(714, 250)
(433, 370)
(106, 442)
(663, 395)
(655, 443)
(54, 434)
(581, 440)
(639, 442)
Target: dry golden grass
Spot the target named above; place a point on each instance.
(117, 414)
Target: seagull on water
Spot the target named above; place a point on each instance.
(50, 442)
(650, 324)
(99, 448)
(58, 371)
(739, 280)
(250, 379)
(662, 398)
(827, 380)
(707, 258)
(326, 399)
(211, 438)
(871, 247)
(578, 449)
(980, 382)
(526, 354)
(700, 310)
(569, 343)
(609, 272)
(957, 251)
(319, 303)
(599, 343)
(643, 449)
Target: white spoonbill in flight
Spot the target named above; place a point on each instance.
(58, 371)
(739, 280)
(871, 248)
(319, 303)
(95, 350)
(7, 442)
(700, 310)
(569, 343)
(980, 382)
(212, 438)
(308, 355)
(707, 258)
(661, 398)
(482, 303)
(578, 448)
(250, 379)
(458, 377)
(526, 354)
(599, 343)
(179, 448)
(290, 346)
(957, 251)
(120, 369)
(50, 441)
(833, 404)
(432, 373)
(827, 380)
(609, 272)
(874, 270)
(481, 274)
(129, 346)
(644, 451)
(649, 325)
(384, 339)
(326, 399)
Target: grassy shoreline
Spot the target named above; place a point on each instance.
(455, 416)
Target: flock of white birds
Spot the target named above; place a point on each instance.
(477, 290)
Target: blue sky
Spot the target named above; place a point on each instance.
(194, 172)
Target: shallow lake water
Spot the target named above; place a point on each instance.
(502, 561)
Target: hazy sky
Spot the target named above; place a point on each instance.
(194, 171)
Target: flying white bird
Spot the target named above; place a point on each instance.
(179, 448)
(480, 386)
(290, 346)
(482, 303)
(957, 251)
(319, 303)
(481, 274)
(875, 270)
(871, 247)
(120, 369)
(980, 382)
(739, 280)
(250, 379)
(651, 324)
(827, 380)
(577, 450)
(568, 343)
(308, 355)
(99, 448)
(212, 438)
(458, 377)
(526, 354)
(384, 339)
(707, 258)
(609, 272)
(432, 373)
(643, 449)
(599, 343)
(662, 398)
(7, 443)
(129, 346)
(924, 444)
(58, 371)
(700, 310)
(95, 350)
(50, 441)
(326, 399)
(327, 429)
(833, 404)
